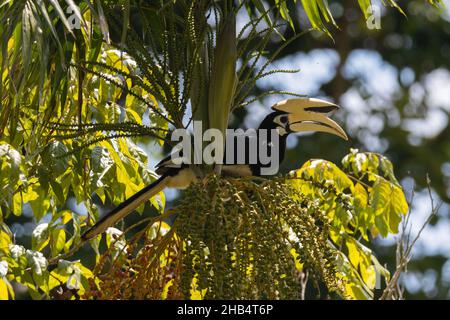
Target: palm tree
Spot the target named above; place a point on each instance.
(82, 83)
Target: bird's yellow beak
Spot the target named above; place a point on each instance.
(310, 114)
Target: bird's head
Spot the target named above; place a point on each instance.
(303, 114)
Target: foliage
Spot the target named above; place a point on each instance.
(46, 177)
(251, 239)
(39, 43)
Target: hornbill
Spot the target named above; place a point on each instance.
(288, 116)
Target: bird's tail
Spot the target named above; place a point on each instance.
(125, 208)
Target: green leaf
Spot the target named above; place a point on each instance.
(5, 240)
(58, 191)
(388, 170)
(3, 290)
(313, 10)
(73, 274)
(373, 162)
(364, 5)
(361, 196)
(30, 193)
(17, 204)
(61, 15)
(325, 10)
(222, 86)
(64, 215)
(18, 254)
(103, 21)
(10, 162)
(55, 159)
(41, 204)
(284, 11)
(388, 203)
(102, 166)
(356, 291)
(57, 241)
(325, 172)
(382, 225)
(353, 253)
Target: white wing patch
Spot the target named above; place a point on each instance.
(182, 180)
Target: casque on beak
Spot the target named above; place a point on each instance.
(310, 114)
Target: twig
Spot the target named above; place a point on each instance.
(404, 247)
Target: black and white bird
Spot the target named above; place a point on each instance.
(288, 116)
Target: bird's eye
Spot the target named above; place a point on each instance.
(283, 119)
